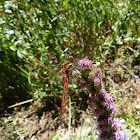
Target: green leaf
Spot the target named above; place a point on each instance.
(12, 48)
(21, 103)
(25, 73)
(19, 54)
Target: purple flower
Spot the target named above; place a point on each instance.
(108, 98)
(93, 96)
(98, 70)
(97, 81)
(103, 91)
(105, 103)
(100, 101)
(109, 120)
(120, 135)
(100, 76)
(112, 107)
(92, 75)
(84, 63)
(116, 124)
(74, 72)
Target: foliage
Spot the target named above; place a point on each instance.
(37, 35)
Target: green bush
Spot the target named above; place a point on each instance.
(37, 35)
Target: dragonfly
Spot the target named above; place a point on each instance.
(66, 69)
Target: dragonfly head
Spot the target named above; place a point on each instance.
(67, 65)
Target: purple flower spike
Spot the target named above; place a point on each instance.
(100, 101)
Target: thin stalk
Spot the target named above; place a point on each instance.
(69, 118)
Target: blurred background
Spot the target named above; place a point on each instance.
(36, 36)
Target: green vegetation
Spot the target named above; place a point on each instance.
(36, 36)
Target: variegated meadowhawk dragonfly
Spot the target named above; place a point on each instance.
(66, 69)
